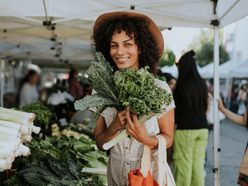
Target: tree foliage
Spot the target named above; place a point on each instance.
(168, 58)
(203, 46)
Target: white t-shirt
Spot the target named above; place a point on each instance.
(28, 94)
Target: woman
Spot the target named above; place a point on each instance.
(191, 135)
(240, 120)
(75, 88)
(171, 81)
(29, 92)
(130, 40)
(242, 97)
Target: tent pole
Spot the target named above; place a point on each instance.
(2, 83)
(217, 149)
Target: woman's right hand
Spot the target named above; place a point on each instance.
(119, 121)
(221, 105)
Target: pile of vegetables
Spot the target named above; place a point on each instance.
(76, 131)
(59, 161)
(43, 114)
(128, 88)
(16, 127)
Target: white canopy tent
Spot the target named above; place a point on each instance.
(173, 70)
(240, 70)
(24, 34)
(207, 71)
(226, 70)
(170, 69)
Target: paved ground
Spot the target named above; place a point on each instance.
(233, 142)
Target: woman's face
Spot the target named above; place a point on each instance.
(172, 84)
(123, 51)
(34, 79)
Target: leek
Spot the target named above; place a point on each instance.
(98, 171)
(10, 144)
(6, 137)
(10, 124)
(25, 129)
(16, 116)
(3, 164)
(15, 127)
(27, 138)
(6, 163)
(35, 129)
(10, 131)
(6, 152)
(23, 150)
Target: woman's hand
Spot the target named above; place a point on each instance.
(134, 128)
(221, 105)
(119, 121)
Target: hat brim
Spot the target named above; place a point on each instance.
(157, 35)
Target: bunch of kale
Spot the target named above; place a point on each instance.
(136, 89)
(127, 88)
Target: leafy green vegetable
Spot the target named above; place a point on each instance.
(58, 162)
(43, 114)
(100, 73)
(135, 89)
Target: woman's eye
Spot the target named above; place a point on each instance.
(113, 46)
(129, 44)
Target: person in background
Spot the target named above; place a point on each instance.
(243, 121)
(29, 90)
(242, 97)
(191, 136)
(87, 89)
(171, 81)
(234, 105)
(75, 88)
(83, 116)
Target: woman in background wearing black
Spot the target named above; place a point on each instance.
(191, 137)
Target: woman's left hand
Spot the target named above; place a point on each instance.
(134, 128)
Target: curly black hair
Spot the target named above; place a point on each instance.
(134, 27)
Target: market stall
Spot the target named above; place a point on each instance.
(50, 30)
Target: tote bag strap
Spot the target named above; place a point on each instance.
(162, 153)
(146, 157)
(145, 161)
(161, 163)
(164, 176)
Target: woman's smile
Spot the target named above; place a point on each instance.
(123, 59)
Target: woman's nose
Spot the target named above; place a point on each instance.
(120, 50)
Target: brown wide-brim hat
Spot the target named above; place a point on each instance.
(157, 35)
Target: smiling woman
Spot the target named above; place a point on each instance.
(130, 41)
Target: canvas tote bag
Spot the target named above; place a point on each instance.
(154, 170)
